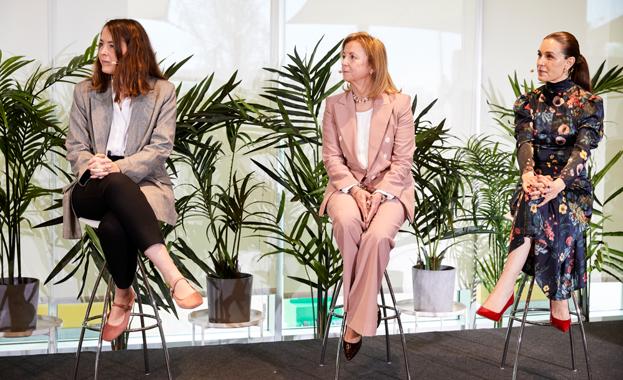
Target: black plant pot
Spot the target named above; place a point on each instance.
(18, 304)
(229, 299)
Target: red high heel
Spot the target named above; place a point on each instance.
(561, 324)
(492, 315)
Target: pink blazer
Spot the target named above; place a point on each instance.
(390, 154)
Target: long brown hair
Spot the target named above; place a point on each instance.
(377, 58)
(135, 67)
(578, 73)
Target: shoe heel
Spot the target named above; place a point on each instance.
(492, 315)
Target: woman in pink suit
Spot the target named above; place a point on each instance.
(368, 145)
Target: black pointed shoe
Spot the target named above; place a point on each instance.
(378, 317)
(351, 349)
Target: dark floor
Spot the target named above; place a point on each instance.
(471, 354)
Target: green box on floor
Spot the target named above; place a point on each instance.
(299, 312)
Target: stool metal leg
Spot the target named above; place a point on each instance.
(581, 323)
(86, 320)
(511, 319)
(339, 346)
(572, 350)
(107, 301)
(523, 325)
(335, 294)
(152, 301)
(399, 320)
(140, 310)
(388, 353)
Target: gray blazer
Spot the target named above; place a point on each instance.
(150, 141)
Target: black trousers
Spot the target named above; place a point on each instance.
(127, 221)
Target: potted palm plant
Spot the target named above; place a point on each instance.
(29, 130)
(492, 177)
(293, 126)
(437, 172)
(225, 199)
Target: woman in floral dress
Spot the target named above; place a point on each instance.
(556, 127)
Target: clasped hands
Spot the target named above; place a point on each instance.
(367, 203)
(542, 187)
(100, 166)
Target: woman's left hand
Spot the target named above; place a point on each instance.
(551, 191)
(375, 201)
(101, 166)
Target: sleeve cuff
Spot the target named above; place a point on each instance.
(346, 189)
(388, 195)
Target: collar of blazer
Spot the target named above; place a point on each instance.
(346, 119)
(101, 117)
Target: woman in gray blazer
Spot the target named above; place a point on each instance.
(121, 131)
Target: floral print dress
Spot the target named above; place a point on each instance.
(556, 127)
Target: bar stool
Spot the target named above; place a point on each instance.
(384, 307)
(513, 317)
(108, 304)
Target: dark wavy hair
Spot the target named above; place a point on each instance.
(578, 73)
(135, 67)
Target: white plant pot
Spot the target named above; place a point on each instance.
(433, 290)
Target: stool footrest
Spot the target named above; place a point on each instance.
(333, 313)
(535, 323)
(521, 310)
(97, 327)
(142, 328)
(395, 315)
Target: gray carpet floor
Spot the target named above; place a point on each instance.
(470, 354)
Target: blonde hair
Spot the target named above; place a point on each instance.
(377, 58)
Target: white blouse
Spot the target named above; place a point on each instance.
(118, 135)
(363, 143)
(363, 136)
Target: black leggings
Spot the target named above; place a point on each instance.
(127, 221)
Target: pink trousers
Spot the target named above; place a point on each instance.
(365, 254)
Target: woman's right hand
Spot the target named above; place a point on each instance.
(532, 185)
(361, 197)
(99, 166)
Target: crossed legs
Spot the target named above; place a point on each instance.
(127, 224)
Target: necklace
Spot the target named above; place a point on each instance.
(360, 99)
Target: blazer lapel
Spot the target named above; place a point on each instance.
(346, 119)
(142, 108)
(101, 115)
(382, 110)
